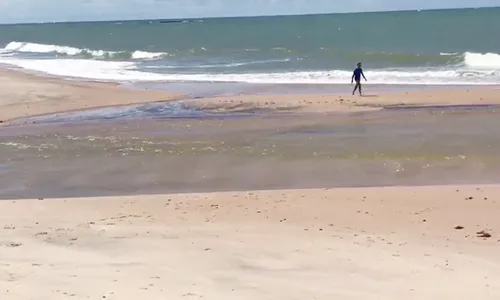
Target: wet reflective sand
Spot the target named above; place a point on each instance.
(267, 151)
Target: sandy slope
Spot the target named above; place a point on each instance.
(374, 243)
(23, 94)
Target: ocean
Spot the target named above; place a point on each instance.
(440, 47)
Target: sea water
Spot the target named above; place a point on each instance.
(440, 47)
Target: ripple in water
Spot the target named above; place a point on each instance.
(151, 110)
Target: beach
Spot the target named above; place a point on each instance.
(366, 243)
(25, 94)
(226, 158)
(250, 207)
(473, 96)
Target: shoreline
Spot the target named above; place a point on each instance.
(25, 95)
(116, 94)
(348, 103)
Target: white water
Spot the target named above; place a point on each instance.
(476, 69)
(72, 51)
(486, 61)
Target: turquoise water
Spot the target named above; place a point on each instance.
(417, 47)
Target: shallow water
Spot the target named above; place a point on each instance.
(263, 151)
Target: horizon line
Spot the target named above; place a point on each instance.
(250, 16)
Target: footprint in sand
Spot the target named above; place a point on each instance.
(11, 244)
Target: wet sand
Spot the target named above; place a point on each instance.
(389, 236)
(348, 103)
(23, 94)
(247, 153)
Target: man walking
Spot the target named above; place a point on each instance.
(357, 76)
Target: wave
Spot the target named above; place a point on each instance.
(482, 60)
(131, 72)
(445, 68)
(468, 59)
(26, 47)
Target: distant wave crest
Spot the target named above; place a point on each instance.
(27, 47)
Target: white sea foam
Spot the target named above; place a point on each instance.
(83, 68)
(24, 47)
(128, 71)
(147, 55)
(41, 48)
(482, 60)
(474, 68)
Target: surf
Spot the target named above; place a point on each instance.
(482, 60)
(443, 68)
(27, 47)
(131, 71)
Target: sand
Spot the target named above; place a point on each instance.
(436, 242)
(349, 103)
(365, 243)
(24, 94)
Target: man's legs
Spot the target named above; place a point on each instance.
(358, 85)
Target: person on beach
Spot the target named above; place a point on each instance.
(357, 76)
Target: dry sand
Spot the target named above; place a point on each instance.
(348, 103)
(24, 94)
(365, 243)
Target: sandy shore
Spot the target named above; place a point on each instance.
(373, 243)
(24, 94)
(344, 243)
(349, 103)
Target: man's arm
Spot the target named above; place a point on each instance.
(363, 74)
(352, 78)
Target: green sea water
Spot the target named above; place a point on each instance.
(412, 47)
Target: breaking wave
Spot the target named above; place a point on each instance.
(465, 68)
(25, 47)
